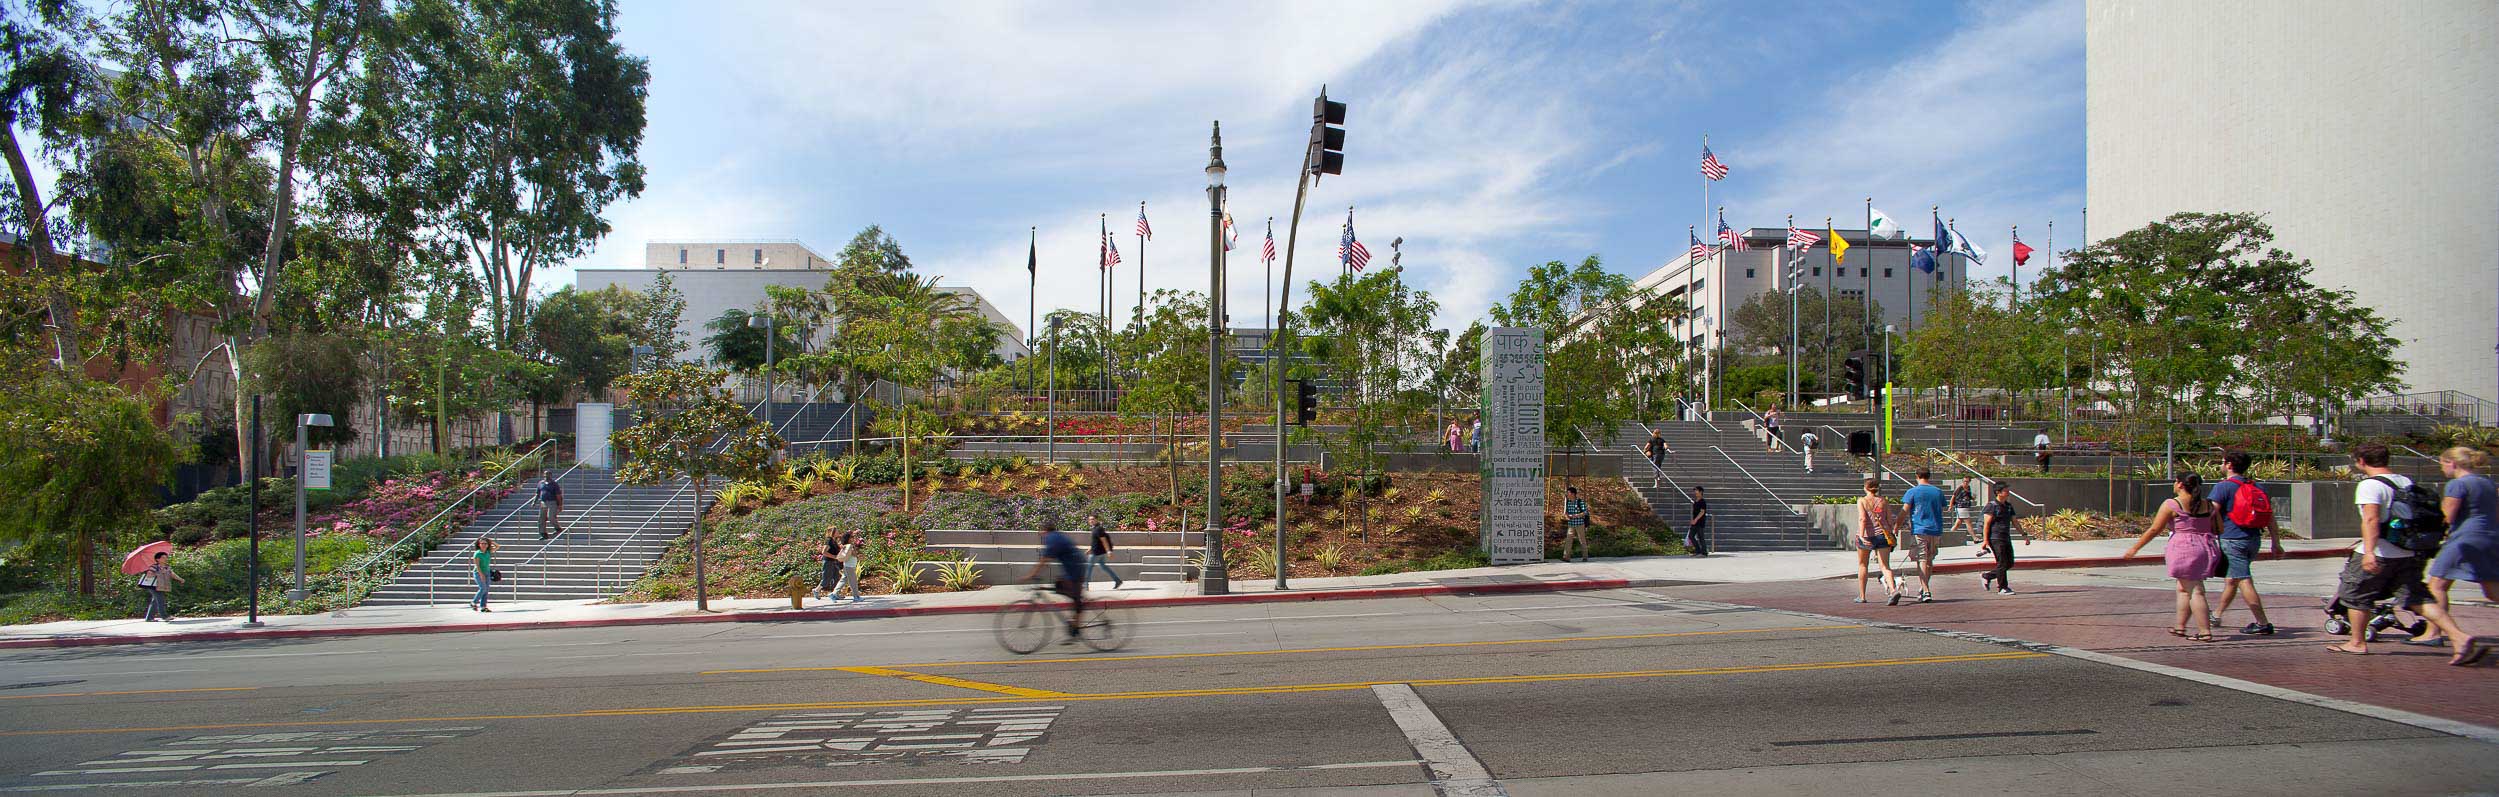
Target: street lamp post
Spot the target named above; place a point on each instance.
(1213, 580)
(303, 457)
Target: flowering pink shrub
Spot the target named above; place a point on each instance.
(394, 507)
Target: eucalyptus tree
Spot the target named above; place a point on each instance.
(43, 73)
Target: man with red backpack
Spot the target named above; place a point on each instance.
(2246, 512)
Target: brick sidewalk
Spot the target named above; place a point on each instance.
(2134, 623)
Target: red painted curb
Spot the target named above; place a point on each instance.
(1984, 565)
(819, 614)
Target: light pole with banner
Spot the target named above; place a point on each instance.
(312, 473)
(1212, 580)
(770, 331)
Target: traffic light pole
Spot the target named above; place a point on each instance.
(1275, 358)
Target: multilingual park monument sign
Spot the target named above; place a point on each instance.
(1513, 458)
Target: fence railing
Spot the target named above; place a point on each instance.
(532, 456)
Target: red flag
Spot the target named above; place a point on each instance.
(2021, 252)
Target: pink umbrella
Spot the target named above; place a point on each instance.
(138, 561)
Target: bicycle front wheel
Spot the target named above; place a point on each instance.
(1025, 625)
(1107, 627)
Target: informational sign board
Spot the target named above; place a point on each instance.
(1513, 458)
(317, 470)
(592, 424)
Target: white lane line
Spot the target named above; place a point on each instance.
(1148, 622)
(1550, 620)
(143, 784)
(1613, 605)
(269, 655)
(825, 785)
(1455, 770)
(681, 653)
(2480, 733)
(1175, 636)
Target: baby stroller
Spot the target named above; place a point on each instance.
(2381, 617)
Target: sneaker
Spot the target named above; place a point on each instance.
(1925, 596)
(2005, 591)
(1857, 600)
(2258, 629)
(1895, 601)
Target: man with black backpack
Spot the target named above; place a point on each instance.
(2401, 524)
(2246, 519)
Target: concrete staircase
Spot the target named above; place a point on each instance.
(1005, 556)
(1750, 490)
(612, 532)
(813, 427)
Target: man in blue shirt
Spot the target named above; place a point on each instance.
(1057, 547)
(1926, 530)
(2240, 545)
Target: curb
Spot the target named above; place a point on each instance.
(1984, 565)
(784, 615)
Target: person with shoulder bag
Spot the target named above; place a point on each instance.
(849, 555)
(159, 580)
(2246, 513)
(2400, 526)
(482, 567)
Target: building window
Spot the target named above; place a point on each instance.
(720, 256)
(1748, 273)
(759, 257)
(680, 255)
(1887, 273)
(1843, 271)
(1817, 271)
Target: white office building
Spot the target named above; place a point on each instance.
(1725, 280)
(2366, 134)
(718, 276)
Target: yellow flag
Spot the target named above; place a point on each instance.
(1839, 245)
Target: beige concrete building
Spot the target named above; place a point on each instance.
(2365, 132)
(1725, 281)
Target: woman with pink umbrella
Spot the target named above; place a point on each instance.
(156, 575)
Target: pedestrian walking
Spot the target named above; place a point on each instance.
(2246, 521)
(1874, 541)
(1925, 513)
(1809, 441)
(2000, 531)
(1770, 425)
(1102, 545)
(1657, 450)
(2471, 553)
(159, 580)
(1451, 437)
(1574, 523)
(2389, 565)
(1696, 535)
(2193, 552)
(848, 554)
(550, 507)
(482, 568)
(2039, 446)
(1475, 436)
(1965, 514)
(829, 562)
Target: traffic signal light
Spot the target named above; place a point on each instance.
(1856, 371)
(1327, 136)
(1305, 402)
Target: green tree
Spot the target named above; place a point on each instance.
(532, 115)
(737, 343)
(1600, 333)
(687, 426)
(589, 334)
(1169, 352)
(42, 77)
(1828, 329)
(2170, 306)
(311, 373)
(662, 310)
(1372, 334)
(81, 461)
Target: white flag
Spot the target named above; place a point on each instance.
(1882, 226)
(1969, 250)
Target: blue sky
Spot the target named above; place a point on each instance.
(1490, 135)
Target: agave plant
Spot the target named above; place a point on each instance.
(1414, 514)
(844, 473)
(1017, 463)
(957, 573)
(1255, 560)
(975, 483)
(1076, 481)
(1330, 557)
(1041, 485)
(1437, 495)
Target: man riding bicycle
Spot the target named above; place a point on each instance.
(1058, 547)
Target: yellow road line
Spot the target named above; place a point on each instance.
(1352, 649)
(1148, 695)
(133, 692)
(941, 680)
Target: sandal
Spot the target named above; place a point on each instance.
(2200, 638)
(2474, 650)
(2180, 633)
(2345, 651)
(2432, 642)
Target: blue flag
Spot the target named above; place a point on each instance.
(1922, 258)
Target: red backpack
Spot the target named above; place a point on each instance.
(2250, 507)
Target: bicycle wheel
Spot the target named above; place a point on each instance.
(1107, 627)
(1025, 625)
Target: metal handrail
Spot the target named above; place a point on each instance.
(432, 573)
(560, 533)
(455, 504)
(601, 566)
(1956, 461)
(1739, 468)
(1644, 459)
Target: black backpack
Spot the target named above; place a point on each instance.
(2414, 521)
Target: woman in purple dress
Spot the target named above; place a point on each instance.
(2193, 552)
(2471, 552)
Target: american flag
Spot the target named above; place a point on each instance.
(1801, 240)
(1144, 230)
(1349, 250)
(1269, 254)
(1710, 165)
(1699, 250)
(1727, 237)
(1110, 251)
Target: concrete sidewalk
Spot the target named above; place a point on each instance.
(1545, 576)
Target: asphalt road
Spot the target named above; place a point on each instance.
(1618, 692)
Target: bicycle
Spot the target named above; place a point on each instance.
(1027, 624)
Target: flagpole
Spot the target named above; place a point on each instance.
(1690, 302)
(1717, 328)
(1868, 298)
(1032, 297)
(1828, 275)
(1691, 323)
(1139, 317)
(2014, 300)
(1787, 279)
(1102, 300)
